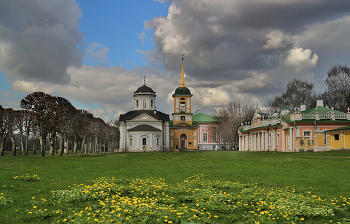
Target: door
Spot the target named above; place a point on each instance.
(183, 140)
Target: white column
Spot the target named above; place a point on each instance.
(247, 142)
(283, 140)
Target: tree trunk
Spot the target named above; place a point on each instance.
(61, 146)
(13, 140)
(22, 145)
(55, 148)
(26, 145)
(90, 148)
(2, 145)
(52, 140)
(42, 145)
(83, 146)
(67, 146)
(96, 145)
(75, 145)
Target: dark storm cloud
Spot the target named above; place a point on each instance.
(39, 38)
(234, 39)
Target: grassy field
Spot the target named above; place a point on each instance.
(327, 173)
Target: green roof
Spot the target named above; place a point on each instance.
(203, 118)
(182, 91)
(320, 110)
(183, 124)
(342, 128)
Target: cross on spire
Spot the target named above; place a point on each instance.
(144, 80)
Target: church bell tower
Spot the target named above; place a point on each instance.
(182, 101)
(183, 133)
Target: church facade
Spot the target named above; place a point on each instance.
(144, 128)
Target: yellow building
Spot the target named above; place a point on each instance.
(338, 139)
(183, 133)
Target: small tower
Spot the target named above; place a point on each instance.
(144, 98)
(182, 101)
(183, 133)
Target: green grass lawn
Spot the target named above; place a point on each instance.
(327, 173)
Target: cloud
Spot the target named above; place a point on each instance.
(98, 51)
(162, 1)
(277, 40)
(38, 40)
(301, 60)
(111, 87)
(249, 48)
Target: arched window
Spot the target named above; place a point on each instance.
(144, 104)
(137, 103)
(144, 141)
(182, 107)
(151, 103)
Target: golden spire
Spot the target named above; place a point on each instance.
(144, 80)
(182, 73)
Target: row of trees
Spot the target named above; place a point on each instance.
(56, 120)
(336, 95)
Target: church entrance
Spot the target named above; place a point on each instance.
(183, 139)
(144, 143)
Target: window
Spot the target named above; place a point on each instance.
(270, 140)
(157, 141)
(151, 103)
(205, 137)
(336, 137)
(130, 141)
(144, 104)
(182, 107)
(144, 141)
(307, 134)
(278, 140)
(182, 118)
(213, 136)
(137, 103)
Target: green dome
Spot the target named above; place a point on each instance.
(182, 91)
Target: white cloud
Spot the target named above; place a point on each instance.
(162, 1)
(301, 60)
(98, 50)
(277, 40)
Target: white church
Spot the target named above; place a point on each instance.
(144, 129)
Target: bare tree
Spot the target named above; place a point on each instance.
(40, 104)
(4, 127)
(337, 94)
(229, 119)
(297, 92)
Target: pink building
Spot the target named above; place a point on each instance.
(207, 131)
(302, 130)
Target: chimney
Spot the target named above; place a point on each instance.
(302, 106)
(319, 102)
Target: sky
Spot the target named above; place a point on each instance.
(96, 53)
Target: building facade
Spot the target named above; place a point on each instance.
(316, 129)
(208, 136)
(144, 128)
(183, 132)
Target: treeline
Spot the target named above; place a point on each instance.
(56, 121)
(336, 94)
